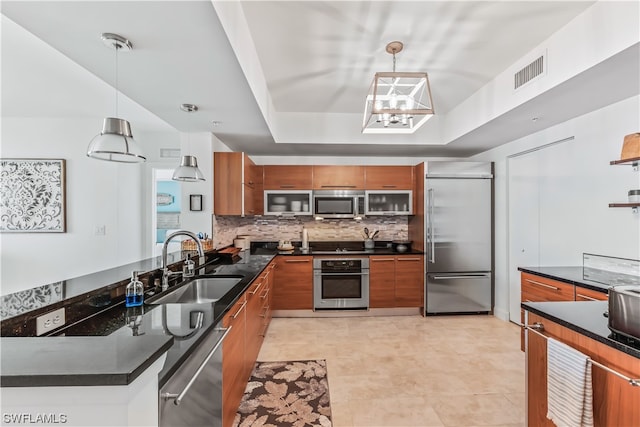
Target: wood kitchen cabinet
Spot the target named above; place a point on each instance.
(234, 360)
(396, 281)
(254, 320)
(237, 185)
(248, 319)
(382, 282)
(409, 281)
(287, 177)
(615, 401)
(293, 283)
(388, 177)
(338, 177)
(535, 288)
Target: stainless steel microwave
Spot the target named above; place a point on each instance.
(338, 203)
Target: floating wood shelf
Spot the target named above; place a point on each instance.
(624, 205)
(632, 161)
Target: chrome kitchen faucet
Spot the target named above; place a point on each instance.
(165, 271)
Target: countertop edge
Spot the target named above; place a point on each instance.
(536, 271)
(86, 379)
(530, 306)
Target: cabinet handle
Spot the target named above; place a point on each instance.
(408, 259)
(263, 296)
(287, 186)
(239, 310)
(376, 259)
(256, 289)
(586, 297)
(338, 186)
(296, 260)
(542, 284)
(178, 397)
(388, 186)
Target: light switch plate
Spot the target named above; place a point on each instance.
(50, 321)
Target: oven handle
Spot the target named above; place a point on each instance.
(319, 273)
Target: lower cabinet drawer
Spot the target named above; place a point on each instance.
(536, 288)
(584, 294)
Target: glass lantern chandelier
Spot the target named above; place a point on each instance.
(397, 102)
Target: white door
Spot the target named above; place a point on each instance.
(524, 222)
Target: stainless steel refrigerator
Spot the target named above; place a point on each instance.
(459, 237)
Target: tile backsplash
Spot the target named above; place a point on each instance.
(265, 228)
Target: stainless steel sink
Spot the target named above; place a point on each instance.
(198, 290)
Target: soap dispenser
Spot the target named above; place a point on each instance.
(189, 267)
(134, 294)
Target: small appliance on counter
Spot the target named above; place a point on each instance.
(242, 242)
(401, 246)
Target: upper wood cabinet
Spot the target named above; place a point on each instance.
(338, 177)
(388, 177)
(237, 185)
(286, 177)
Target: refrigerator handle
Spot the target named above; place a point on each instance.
(461, 276)
(430, 237)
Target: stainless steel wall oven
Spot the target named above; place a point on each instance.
(341, 283)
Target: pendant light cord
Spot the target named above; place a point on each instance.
(116, 73)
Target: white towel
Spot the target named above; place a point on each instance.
(569, 391)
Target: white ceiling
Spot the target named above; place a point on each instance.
(317, 58)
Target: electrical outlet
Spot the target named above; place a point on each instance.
(100, 230)
(50, 321)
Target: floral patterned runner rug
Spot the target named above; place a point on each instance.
(283, 394)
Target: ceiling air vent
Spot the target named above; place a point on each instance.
(529, 72)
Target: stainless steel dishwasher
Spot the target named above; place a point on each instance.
(193, 395)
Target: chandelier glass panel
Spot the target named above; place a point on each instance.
(397, 102)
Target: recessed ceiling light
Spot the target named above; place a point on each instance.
(215, 123)
(189, 108)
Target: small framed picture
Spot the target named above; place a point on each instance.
(195, 202)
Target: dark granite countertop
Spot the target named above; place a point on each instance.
(116, 346)
(328, 248)
(586, 318)
(571, 274)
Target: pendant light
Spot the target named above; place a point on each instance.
(188, 170)
(115, 143)
(398, 102)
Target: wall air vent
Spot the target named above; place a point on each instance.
(529, 72)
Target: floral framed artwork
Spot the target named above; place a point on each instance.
(32, 195)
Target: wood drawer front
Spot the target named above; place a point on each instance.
(288, 177)
(388, 177)
(584, 294)
(536, 288)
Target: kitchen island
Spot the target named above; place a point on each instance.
(107, 369)
(582, 326)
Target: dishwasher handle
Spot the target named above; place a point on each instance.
(179, 397)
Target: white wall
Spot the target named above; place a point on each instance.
(576, 185)
(98, 194)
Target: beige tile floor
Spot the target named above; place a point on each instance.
(454, 371)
